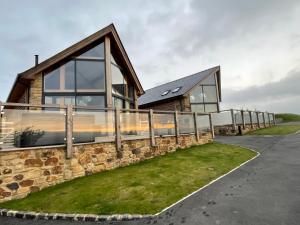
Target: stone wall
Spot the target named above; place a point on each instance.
(228, 130)
(35, 91)
(30, 170)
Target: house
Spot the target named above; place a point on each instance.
(93, 72)
(200, 92)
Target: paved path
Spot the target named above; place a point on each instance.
(265, 191)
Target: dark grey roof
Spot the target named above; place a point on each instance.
(186, 83)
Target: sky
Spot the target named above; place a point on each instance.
(256, 43)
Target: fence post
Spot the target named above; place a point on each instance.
(69, 127)
(176, 126)
(151, 127)
(243, 119)
(211, 126)
(251, 120)
(257, 116)
(118, 133)
(269, 119)
(233, 119)
(264, 119)
(196, 126)
(274, 119)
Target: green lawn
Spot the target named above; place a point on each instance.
(143, 188)
(276, 130)
(288, 117)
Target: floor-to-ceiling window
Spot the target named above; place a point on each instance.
(80, 81)
(203, 98)
(122, 90)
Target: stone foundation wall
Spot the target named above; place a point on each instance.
(229, 131)
(30, 170)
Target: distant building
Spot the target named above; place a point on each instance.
(200, 92)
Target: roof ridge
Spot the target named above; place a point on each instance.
(182, 78)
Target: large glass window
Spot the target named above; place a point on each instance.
(122, 90)
(90, 101)
(203, 98)
(211, 108)
(118, 82)
(69, 81)
(210, 93)
(197, 108)
(196, 95)
(90, 75)
(60, 100)
(96, 52)
(81, 81)
(52, 80)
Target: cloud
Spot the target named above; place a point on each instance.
(255, 42)
(282, 95)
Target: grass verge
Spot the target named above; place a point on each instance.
(288, 117)
(143, 188)
(276, 130)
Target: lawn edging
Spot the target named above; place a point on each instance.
(114, 217)
(213, 181)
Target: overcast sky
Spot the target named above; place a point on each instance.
(256, 43)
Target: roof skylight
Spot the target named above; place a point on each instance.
(165, 93)
(176, 89)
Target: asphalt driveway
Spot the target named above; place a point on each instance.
(266, 191)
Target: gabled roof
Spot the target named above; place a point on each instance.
(24, 77)
(154, 94)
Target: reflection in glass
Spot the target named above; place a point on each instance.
(164, 124)
(69, 69)
(210, 94)
(210, 80)
(134, 125)
(118, 82)
(186, 123)
(96, 52)
(196, 95)
(203, 123)
(197, 108)
(93, 126)
(222, 118)
(90, 101)
(211, 108)
(90, 75)
(52, 80)
(31, 128)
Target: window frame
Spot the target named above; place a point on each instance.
(204, 103)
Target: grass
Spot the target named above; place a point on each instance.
(276, 130)
(288, 117)
(143, 188)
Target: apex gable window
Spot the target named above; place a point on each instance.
(96, 52)
(122, 90)
(82, 80)
(204, 98)
(90, 76)
(90, 72)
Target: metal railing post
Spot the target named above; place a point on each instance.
(69, 131)
(118, 133)
(269, 119)
(258, 122)
(251, 119)
(211, 126)
(176, 126)
(274, 119)
(243, 119)
(196, 127)
(264, 119)
(151, 127)
(233, 120)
